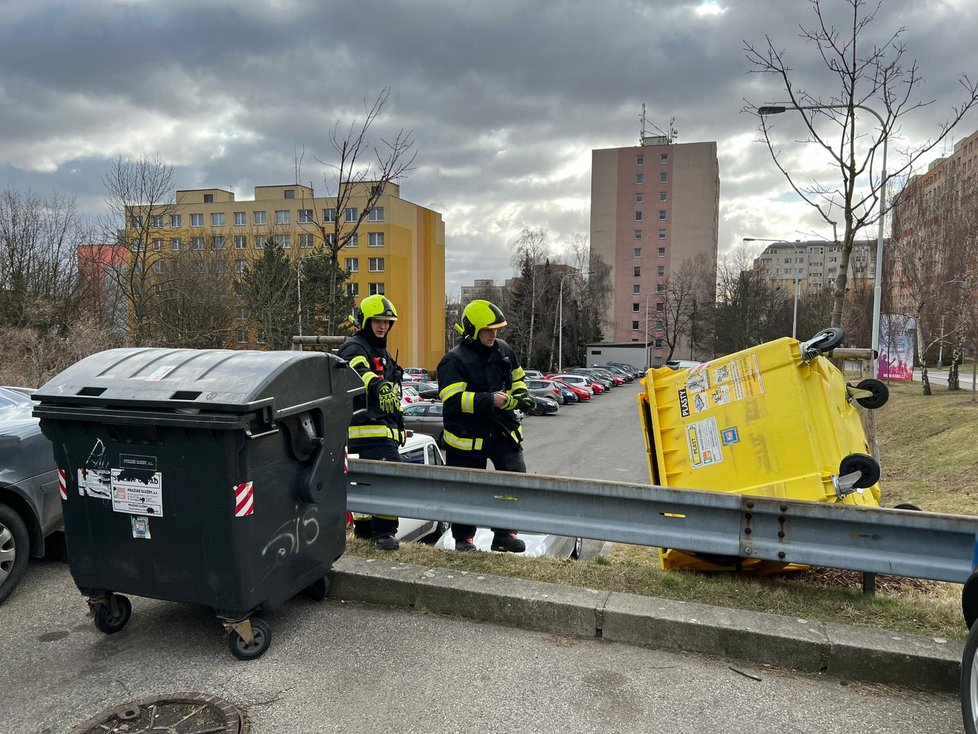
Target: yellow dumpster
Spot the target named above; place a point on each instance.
(776, 420)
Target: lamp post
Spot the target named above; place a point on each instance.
(878, 283)
(560, 319)
(794, 318)
(648, 353)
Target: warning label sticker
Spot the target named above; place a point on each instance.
(703, 440)
(736, 380)
(137, 492)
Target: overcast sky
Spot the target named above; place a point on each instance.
(506, 98)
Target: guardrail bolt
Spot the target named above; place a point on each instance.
(747, 531)
(781, 533)
(781, 555)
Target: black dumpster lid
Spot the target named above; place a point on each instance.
(215, 379)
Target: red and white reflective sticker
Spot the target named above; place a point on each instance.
(62, 484)
(244, 500)
(346, 460)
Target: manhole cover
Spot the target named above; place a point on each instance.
(174, 713)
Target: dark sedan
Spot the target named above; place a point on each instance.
(30, 504)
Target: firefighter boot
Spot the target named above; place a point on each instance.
(507, 543)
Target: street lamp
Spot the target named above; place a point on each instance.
(560, 318)
(648, 352)
(878, 283)
(794, 318)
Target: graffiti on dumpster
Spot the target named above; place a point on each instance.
(291, 536)
(94, 478)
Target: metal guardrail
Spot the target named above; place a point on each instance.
(868, 539)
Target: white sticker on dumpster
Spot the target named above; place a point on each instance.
(138, 492)
(703, 440)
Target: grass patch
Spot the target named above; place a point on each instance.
(927, 454)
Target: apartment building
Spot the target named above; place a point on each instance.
(398, 251)
(815, 264)
(652, 206)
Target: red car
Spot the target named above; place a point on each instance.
(581, 393)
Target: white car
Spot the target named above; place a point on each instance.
(576, 380)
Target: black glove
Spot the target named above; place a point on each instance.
(388, 398)
(524, 401)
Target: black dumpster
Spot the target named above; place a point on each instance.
(210, 477)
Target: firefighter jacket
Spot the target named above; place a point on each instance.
(374, 364)
(468, 375)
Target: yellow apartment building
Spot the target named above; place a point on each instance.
(398, 251)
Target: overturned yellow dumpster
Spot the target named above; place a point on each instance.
(776, 420)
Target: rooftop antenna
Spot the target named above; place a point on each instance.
(641, 133)
(669, 136)
(295, 158)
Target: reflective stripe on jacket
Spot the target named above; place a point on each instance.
(373, 365)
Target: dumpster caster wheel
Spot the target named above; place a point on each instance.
(867, 466)
(318, 589)
(262, 635)
(826, 340)
(112, 617)
(880, 394)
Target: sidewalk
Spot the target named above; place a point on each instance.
(842, 651)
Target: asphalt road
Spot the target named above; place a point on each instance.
(346, 667)
(336, 667)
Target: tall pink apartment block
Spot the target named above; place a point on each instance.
(652, 206)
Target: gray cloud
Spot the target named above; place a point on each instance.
(506, 99)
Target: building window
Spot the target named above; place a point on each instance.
(138, 245)
(219, 242)
(305, 216)
(176, 220)
(290, 193)
(638, 216)
(639, 159)
(637, 289)
(375, 239)
(663, 196)
(259, 218)
(282, 216)
(636, 307)
(634, 326)
(208, 198)
(663, 177)
(352, 265)
(261, 241)
(376, 289)
(376, 265)
(283, 241)
(660, 270)
(329, 215)
(158, 267)
(638, 252)
(663, 158)
(197, 243)
(662, 234)
(331, 239)
(662, 214)
(240, 219)
(640, 178)
(196, 220)
(660, 287)
(637, 272)
(658, 361)
(353, 289)
(136, 221)
(242, 337)
(158, 245)
(260, 337)
(660, 307)
(350, 214)
(658, 343)
(240, 242)
(662, 252)
(305, 241)
(354, 240)
(217, 219)
(639, 197)
(638, 234)
(240, 266)
(220, 266)
(658, 326)
(156, 221)
(176, 244)
(243, 312)
(376, 214)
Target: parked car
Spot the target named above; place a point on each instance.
(636, 372)
(533, 374)
(581, 392)
(426, 418)
(30, 504)
(545, 406)
(617, 371)
(575, 380)
(426, 389)
(606, 382)
(545, 389)
(416, 373)
(410, 395)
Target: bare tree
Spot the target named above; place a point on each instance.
(749, 310)
(139, 198)
(863, 75)
(687, 294)
(360, 172)
(196, 301)
(531, 258)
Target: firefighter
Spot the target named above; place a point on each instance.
(377, 428)
(480, 382)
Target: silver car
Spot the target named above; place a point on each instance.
(30, 503)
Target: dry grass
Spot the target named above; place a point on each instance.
(928, 455)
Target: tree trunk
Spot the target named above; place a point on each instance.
(953, 377)
(922, 358)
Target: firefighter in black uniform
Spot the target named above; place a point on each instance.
(481, 385)
(377, 428)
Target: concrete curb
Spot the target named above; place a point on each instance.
(855, 653)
